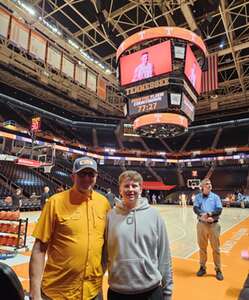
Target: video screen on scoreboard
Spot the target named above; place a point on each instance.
(188, 108)
(146, 63)
(192, 70)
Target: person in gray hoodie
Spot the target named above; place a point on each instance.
(139, 259)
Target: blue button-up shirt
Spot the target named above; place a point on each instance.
(207, 204)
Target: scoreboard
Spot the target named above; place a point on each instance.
(148, 103)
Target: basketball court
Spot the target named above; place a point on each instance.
(181, 226)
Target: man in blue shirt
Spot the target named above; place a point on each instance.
(208, 208)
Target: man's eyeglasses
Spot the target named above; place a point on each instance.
(89, 174)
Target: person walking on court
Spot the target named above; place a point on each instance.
(153, 198)
(139, 259)
(70, 232)
(208, 207)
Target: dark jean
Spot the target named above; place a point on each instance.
(99, 297)
(155, 294)
(244, 294)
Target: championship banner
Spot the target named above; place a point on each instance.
(54, 58)
(67, 67)
(80, 75)
(19, 34)
(91, 81)
(4, 23)
(37, 46)
(101, 91)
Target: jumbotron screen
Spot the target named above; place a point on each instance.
(192, 70)
(146, 63)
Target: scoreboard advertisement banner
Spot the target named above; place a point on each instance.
(148, 103)
(188, 108)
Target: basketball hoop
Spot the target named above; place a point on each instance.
(47, 168)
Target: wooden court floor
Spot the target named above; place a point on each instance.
(181, 227)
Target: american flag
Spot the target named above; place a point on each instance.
(209, 80)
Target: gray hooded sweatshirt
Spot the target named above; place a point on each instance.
(138, 250)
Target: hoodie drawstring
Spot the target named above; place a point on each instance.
(135, 226)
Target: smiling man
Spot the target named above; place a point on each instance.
(208, 207)
(139, 259)
(71, 232)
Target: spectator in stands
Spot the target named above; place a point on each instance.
(70, 232)
(139, 259)
(208, 208)
(111, 197)
(44, 196)
(33, 197)
(17, 199)
(8, 201)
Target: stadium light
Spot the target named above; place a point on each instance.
(73, 44)
(26, 7)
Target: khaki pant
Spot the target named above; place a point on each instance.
(209, 232)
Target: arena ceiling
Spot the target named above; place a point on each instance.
(100, 27)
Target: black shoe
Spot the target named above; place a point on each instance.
(201, 272)
(219, 275)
